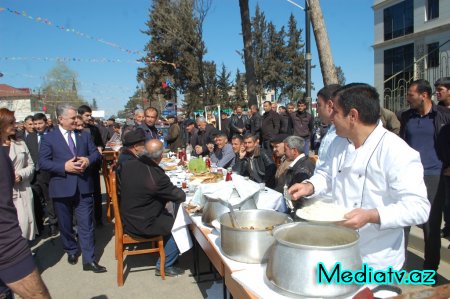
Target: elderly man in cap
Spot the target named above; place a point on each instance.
(174, 137)
(147, 190)
(191, 132)
(133, 148)
(223, 155)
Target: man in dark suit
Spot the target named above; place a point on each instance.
(147, 190)
(67, 155)
(39, 185)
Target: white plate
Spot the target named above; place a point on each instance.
(316, 212)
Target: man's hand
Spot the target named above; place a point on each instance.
(242, 152)
(83, 162)
(210, 147)
(357, 218)
(73, 166)
(18, 178)
(198, 150)
(300, 190)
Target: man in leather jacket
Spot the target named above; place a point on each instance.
(255, 162)
(239, 123)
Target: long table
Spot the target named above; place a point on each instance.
(208, 239)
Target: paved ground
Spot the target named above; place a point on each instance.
(67, 281)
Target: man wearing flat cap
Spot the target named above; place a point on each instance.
(283, 164)
(133, 148)
(174, 137)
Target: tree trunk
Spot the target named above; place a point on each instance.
(323, 44)
(250, 78)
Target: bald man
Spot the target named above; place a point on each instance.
(148, 189)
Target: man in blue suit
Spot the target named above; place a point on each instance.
(67, 154)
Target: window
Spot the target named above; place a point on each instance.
(433, 55)
(398, 61)
(432, 9)
(399, 20)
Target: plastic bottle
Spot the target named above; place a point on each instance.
(287, 197)
(229, 172)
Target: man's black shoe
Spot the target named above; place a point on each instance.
(53, 230)
(94, 267)
(72, 259)
(171, 271)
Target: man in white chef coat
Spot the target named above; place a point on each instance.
(374, 174)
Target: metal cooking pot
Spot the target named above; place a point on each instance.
(247, 245)
(297, 250)
(214, 208)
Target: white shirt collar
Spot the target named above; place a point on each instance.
(295, 161)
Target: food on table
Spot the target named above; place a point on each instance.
(197, 166)
(167, 159)
(205, 178)
(169, 167)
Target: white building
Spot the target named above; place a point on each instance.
(412, 41)
(17, 100)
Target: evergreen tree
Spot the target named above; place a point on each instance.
(295, 73)
(94, 105)
(275, 60)
(224, 87)
(340, 75)
(211, 82)
(239, 97)
(259, 48)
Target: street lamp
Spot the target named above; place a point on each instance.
(308, 56)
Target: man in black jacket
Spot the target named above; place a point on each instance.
(303, 124)
(255, 122)
(420, 128)
(239, 123)
(147, 190)
(255, 162)
(203, 137)
(300, 167)
(86, 114)
(270, 127)
(39, 185)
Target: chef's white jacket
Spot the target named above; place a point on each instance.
(386, 174)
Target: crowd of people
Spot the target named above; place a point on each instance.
(391, 170)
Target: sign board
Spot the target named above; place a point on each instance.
(98, 113)
(169, 109)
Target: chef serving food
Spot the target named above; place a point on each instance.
(374, 174)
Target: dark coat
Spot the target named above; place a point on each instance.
(174, 137)
(302, 123)
(255, 125)
(441, 119)
(145, 191)
(125, 155)
(285, 123)
(203, 137)
(225, 127)
(234, 123)
(260, 169)
(303, 169)
(104, 133)
(270, 127)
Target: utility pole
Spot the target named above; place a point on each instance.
(308, 54)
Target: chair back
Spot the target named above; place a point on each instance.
(118, 219)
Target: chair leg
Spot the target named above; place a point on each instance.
(162, 256)
(108, 207)
(120, 267)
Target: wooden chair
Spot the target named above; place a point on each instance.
(108, 162)
(123, 239)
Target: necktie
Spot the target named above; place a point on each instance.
(71, 143)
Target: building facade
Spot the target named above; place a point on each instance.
(412, 41)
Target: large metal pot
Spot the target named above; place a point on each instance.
(247, 245)
(297, 250)
(214, 208)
